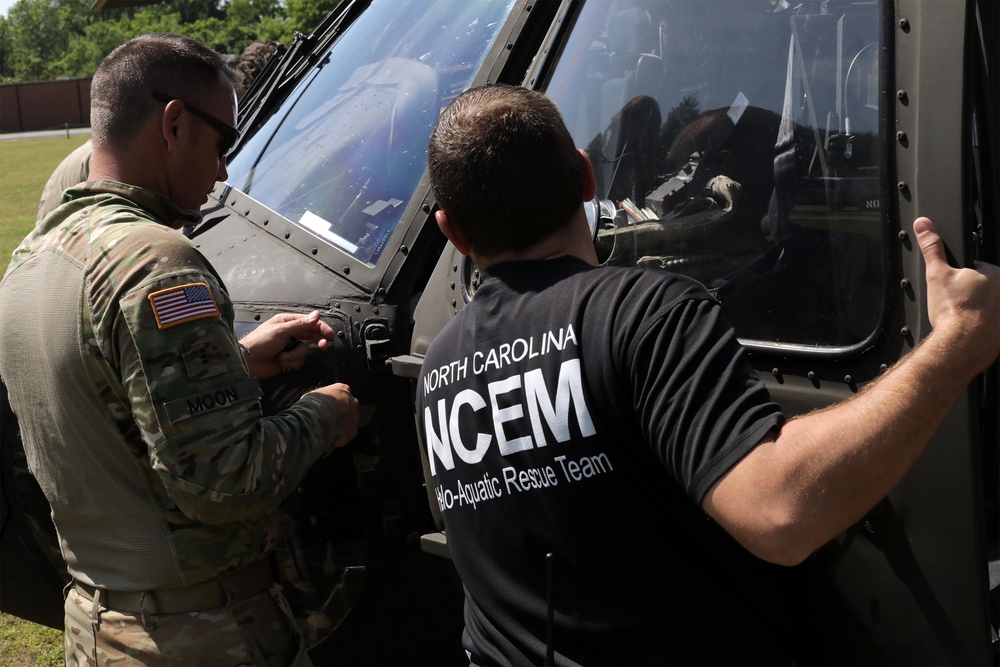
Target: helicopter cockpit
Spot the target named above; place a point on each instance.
(342, 155)
(741, 152)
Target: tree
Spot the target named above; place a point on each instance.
(40, 31)
(305, 15)
(46, 39)
(188, 11)
(6, 44)
(276, 28)
(86, 51)
(244, 19)
(35, 38)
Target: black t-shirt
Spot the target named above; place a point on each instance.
(584, 413)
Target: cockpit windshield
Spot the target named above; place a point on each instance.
(343, 154)
(737, 141)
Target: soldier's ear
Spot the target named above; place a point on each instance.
(452, 232)
(169, 123)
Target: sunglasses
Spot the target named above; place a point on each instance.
(230, 134)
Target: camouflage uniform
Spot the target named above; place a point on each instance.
(73, 170)
(245, 634)
(139, 417)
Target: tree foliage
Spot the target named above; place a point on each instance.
(304, 15)
(41, 40)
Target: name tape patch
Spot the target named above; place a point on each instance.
(212, 399)
(183, 303)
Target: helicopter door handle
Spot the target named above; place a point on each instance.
(406, 365)
(435, 544)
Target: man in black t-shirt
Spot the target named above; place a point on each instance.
(613, 478)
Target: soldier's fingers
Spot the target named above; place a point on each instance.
(296, 355)
(309, 327)
(284, 320)
(931, 245)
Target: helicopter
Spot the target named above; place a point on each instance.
(774, 150)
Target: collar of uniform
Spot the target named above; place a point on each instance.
(160, 206)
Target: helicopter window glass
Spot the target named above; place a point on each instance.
(738, 143)
(344, 152)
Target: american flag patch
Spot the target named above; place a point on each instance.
(183, 304)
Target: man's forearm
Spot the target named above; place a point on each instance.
(827, 468)
(796, 491)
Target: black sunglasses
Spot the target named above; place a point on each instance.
(230, 134)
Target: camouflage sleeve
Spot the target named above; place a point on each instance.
(194, 401)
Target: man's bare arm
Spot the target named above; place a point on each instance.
(826, 469)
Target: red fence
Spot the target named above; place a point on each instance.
(46, 105)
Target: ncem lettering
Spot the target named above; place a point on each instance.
(443, 437)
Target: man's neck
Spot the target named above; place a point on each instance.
(573, 240)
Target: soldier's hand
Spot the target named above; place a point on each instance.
(340, 397)
(284, 342)
(963, 304)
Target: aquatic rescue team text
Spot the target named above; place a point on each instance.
(518, 403)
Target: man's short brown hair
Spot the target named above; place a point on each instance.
(121, 92)
(253, 60)
(504, 168)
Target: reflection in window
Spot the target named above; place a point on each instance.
(345, 152)
(739, 144)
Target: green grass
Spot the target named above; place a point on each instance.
(24, 644)
(25, 165)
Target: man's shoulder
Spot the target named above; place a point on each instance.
(622, 286)
(86, 222)
(86, 209)
(121, 230)
(130, 249)
(105, 207)
(441, 343)
(72, 170)
(647, 275)
(108, 201)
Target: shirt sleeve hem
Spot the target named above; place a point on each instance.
(734, 453)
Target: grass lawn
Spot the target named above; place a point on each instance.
(24, 644)
(25, 165)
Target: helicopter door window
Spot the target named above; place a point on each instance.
(738, 146)
(343, 154)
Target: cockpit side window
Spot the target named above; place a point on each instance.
(739, 144)
(344, 153)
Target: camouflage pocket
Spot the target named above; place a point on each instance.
(269, 630)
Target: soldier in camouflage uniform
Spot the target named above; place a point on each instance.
(71, 171)
(139, 409)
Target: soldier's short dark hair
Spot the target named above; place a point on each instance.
(505, 168)
(121, 92)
